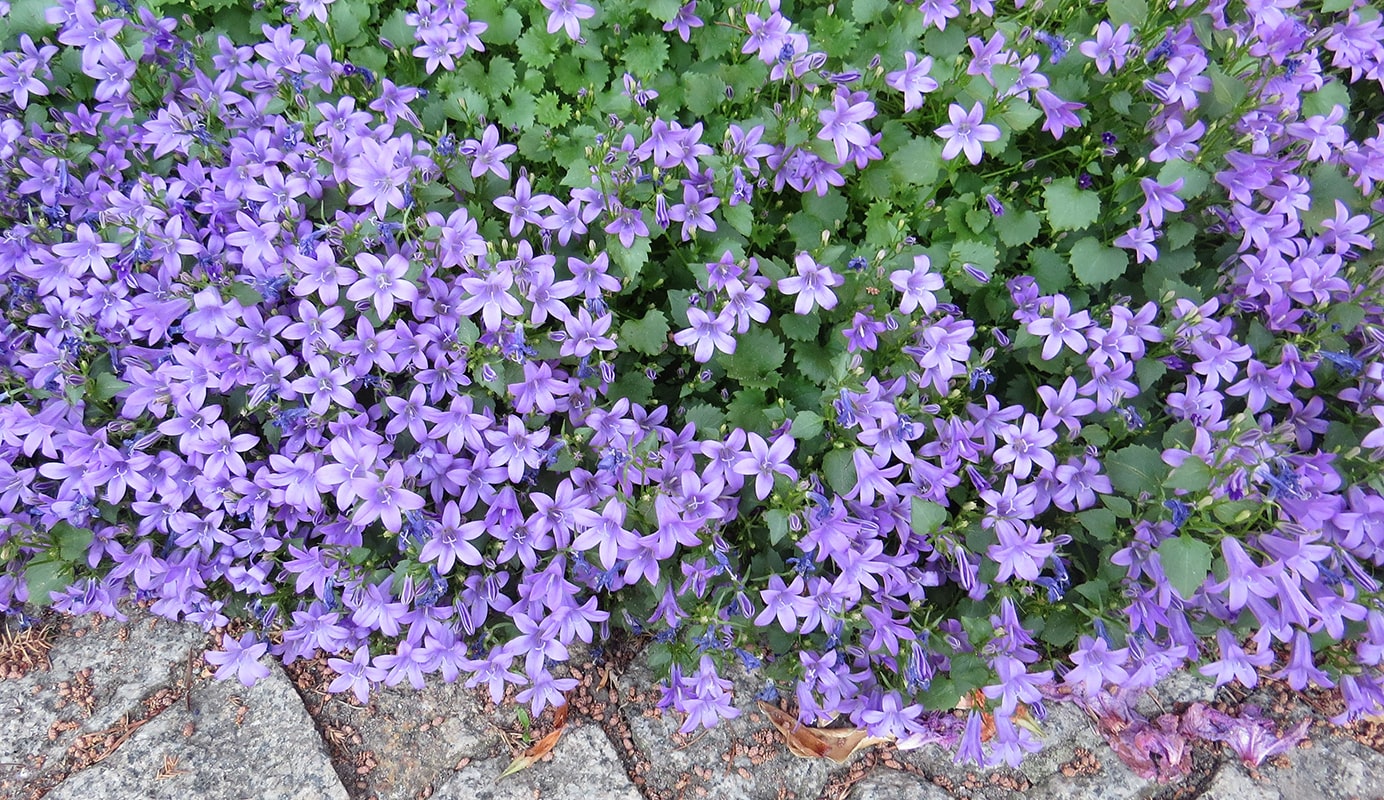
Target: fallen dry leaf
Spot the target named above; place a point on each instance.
(532, 755)
(540, 748)
(837, 744)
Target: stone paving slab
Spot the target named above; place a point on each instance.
(236, 743)
(583, 766)
(402, 740)
(101, 671)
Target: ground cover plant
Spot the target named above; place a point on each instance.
(920, 356)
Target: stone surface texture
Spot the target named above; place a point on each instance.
(234, 743)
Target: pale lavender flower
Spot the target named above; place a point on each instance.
(567, 15)
(241, 659)
(912, 80)
(813, 285)
(966, 133)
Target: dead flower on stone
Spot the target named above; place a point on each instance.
(837, 744)
(540, 748)
(169, 769)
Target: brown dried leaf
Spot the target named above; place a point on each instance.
(837, 744)
(532, 755)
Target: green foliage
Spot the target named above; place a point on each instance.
(1186, 561)
(1069, 208)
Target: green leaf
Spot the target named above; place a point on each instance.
(1186, 562)
(663, 10)
(551, 111)
(534, 48)
(706, 417)
(917, 163)
(520, 111)
(703, 92)
(43, 576)
(72, 542)
(926, 517)
(645, 55)
(777, 521)
(1020, 116)
(245, 294)
(941, 695)
(347, 20)
(1093, 263)
(1099, 522)
(1135, 469)
(108, 386)
(807, 425)
(1234, 512)
(1127, 12)
(740, 216)
(977, 254)
(1070, 208)
(1321, 102)
(1192, 475)
(839, 470)
(1194, 179)
(864, 11)
(800, 327)
(1226, 92)
(505, 22)
(648, 335)
(1050, 270)
(977, 219)
(1017, 228)
(630, 259)
(1059, 627)
(815, 362)
(757, 358)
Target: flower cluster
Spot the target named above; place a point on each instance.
(438, 339)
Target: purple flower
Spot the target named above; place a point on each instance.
(813, 285)
(1018, 553)
(841, 124)
(912, 80)
(704, 698)
(1061, 327)
(1097, 665)
(567, 15)
(1110, 48)
(917, 286)
(241, 659)
(685, 21)
(694, 212)
(708, 334)
(892, 718)
(355, 675)
(1140, 240)
(1235, 663)
(764, 460)
(966, 132)
(382, 282)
